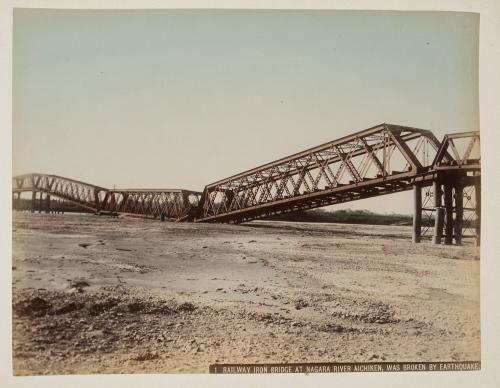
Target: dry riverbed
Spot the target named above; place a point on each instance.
(100, 295)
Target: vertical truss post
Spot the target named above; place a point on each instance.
(185, 199)
(47, 203)
(477, 193)
(229, 198)
(448, 206)
(459, 211)
(33, 201)
(439, 213)
(40, 204)
(417, 213)
(97, 203)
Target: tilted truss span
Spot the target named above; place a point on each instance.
(173, 204)
(380, 160)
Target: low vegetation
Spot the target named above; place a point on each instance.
(345, 216)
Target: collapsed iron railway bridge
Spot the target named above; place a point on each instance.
(444, 176)
(174, 204)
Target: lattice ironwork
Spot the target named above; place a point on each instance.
(172, 203)
(470, 212)
(459, 151)
(380, 160)
(428, 210)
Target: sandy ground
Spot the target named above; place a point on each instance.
(100, 295)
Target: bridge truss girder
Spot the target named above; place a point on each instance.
(173, 204)
(380, 160)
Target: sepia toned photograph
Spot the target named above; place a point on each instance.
(245, 191)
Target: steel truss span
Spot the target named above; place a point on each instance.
(380, 160)
(172, 204)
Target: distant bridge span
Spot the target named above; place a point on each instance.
(380, 160)
(173, 204)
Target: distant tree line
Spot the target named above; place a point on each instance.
(345, 216)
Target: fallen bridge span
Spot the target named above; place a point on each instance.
(172, 204)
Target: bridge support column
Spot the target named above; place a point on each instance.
(40, 204)
(33, 201)
(417, 213)
(448, 206)
(459, 211)
(477, 193)
(16, 201)
(47, 203)
(439, 212)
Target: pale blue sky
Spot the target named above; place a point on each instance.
(183, 98)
